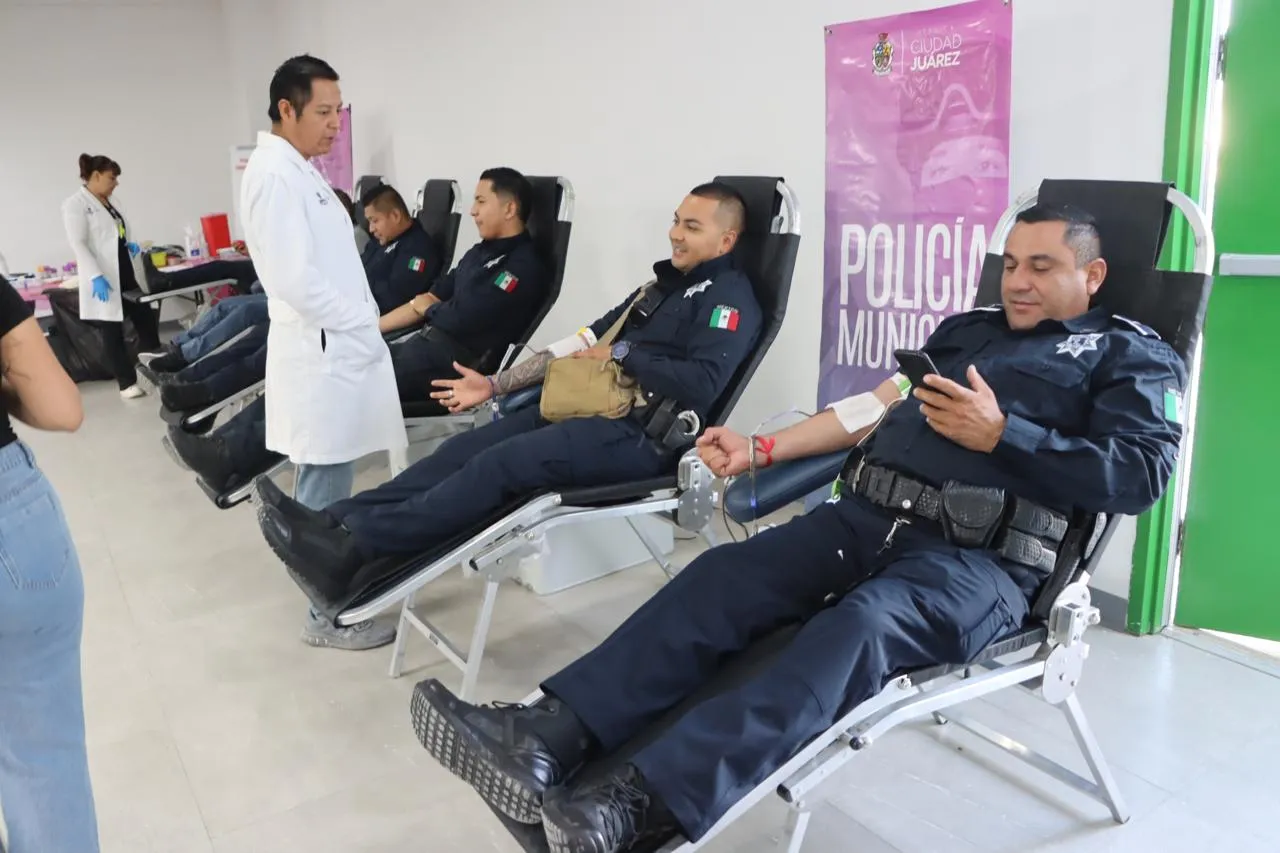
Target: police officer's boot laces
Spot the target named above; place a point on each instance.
(626, 809)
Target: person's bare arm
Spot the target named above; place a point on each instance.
(33, 386)
(727, 453)
(528, 372)
(408, 314)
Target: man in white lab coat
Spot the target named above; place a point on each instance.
(330, 388)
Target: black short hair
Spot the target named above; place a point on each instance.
(385, 198)
(510, 184)
(292, 83)
(346, 203)
(90, 163)
(1081, 233)
(732, 204)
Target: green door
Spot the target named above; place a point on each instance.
(1230, 575)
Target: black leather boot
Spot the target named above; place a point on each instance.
(511, 754)
(606, 817)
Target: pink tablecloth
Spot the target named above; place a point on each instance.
(35, 292)
(197, 262)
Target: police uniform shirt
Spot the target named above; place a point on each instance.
(489, 299)
(1093, 408)
(402, 269)
(691, 345)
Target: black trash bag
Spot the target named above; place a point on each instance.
(79, 344)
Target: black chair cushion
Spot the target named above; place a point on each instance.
(438, 219)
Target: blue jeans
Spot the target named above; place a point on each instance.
(221, 323)
(317, 486)
(44, 774)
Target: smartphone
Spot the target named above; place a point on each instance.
(915, 365)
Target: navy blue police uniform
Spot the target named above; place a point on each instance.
(687, 348)
(486, 303)
(403, 268)
(1092, 426)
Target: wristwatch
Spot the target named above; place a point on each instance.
(619, 351)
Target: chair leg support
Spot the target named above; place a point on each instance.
(402, 633)
(479, 635)
(797, 825)
(651, 547)
(1108, 791)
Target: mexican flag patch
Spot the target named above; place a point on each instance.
(417, 264)
(507, 281)
(724, 317)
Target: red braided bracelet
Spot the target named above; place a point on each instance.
(764, 445)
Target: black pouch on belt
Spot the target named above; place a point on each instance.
(971, 515)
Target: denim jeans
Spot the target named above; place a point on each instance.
(45, 792)
(221, 323)
(317, 486)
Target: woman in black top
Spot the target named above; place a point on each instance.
(44, 775)
(108, 266)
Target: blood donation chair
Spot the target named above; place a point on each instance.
(1046, 656)
(440, 214)
(550, 224)
(492, 550)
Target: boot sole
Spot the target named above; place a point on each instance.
(465, 755)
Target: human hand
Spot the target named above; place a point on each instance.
(724, 451)
(101, 289)
(465, 393)
(134, 249)
(599, 352)
(970, 417)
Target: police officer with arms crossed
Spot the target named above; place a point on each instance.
(1061, 407)
(330, 390)
(682, 342)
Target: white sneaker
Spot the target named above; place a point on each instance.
(362, 636)
(133, 392)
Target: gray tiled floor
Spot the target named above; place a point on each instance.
(213, 730)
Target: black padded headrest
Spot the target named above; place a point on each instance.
(1133, 220)
(363, 184)
(438, 219)
(768, 259)
(551, 241)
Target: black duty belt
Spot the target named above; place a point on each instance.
(970, 516)
(662, 420)
(461, 354)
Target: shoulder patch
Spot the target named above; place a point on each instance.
(506, 281)
(724, 317)
(417, 264)
(1138, 327)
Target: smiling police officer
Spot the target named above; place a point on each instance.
(1043, 407)
(681, 343)
(402, 258)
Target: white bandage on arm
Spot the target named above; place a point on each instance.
(584, 339)
(863, 410)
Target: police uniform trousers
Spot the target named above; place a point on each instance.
(474, 474)
(867, 614)
(420, 358)
(234, 368)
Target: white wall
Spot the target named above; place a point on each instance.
(637, 102)
(142, 82)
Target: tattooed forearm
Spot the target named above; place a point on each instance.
(524, 374)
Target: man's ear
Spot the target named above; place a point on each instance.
(1095, 273)
(285, 109)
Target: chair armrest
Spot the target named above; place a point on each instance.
(517, 400)
(781, 484)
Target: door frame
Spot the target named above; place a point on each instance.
(1193, 61)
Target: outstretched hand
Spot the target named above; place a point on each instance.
(457, 395)
(970, 417)
(724, 451)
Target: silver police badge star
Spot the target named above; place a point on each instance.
(696, 288)
(1077, 344)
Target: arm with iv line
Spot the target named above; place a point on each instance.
(841, 425)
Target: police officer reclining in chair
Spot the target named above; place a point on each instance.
(398, 262)
(684, 337)
(1045, 402)
(483, 305)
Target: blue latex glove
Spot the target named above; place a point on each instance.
(134, 249)
(101, 290)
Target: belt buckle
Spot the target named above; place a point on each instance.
(880, 486)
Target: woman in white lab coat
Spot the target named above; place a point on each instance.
(108, 267)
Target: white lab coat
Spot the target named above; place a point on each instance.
(331, 391)
(94, 238)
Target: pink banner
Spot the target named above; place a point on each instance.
(917, 176)
(336, 166)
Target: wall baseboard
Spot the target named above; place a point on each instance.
(1114, 609)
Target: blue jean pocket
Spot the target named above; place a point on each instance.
(35, 546)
